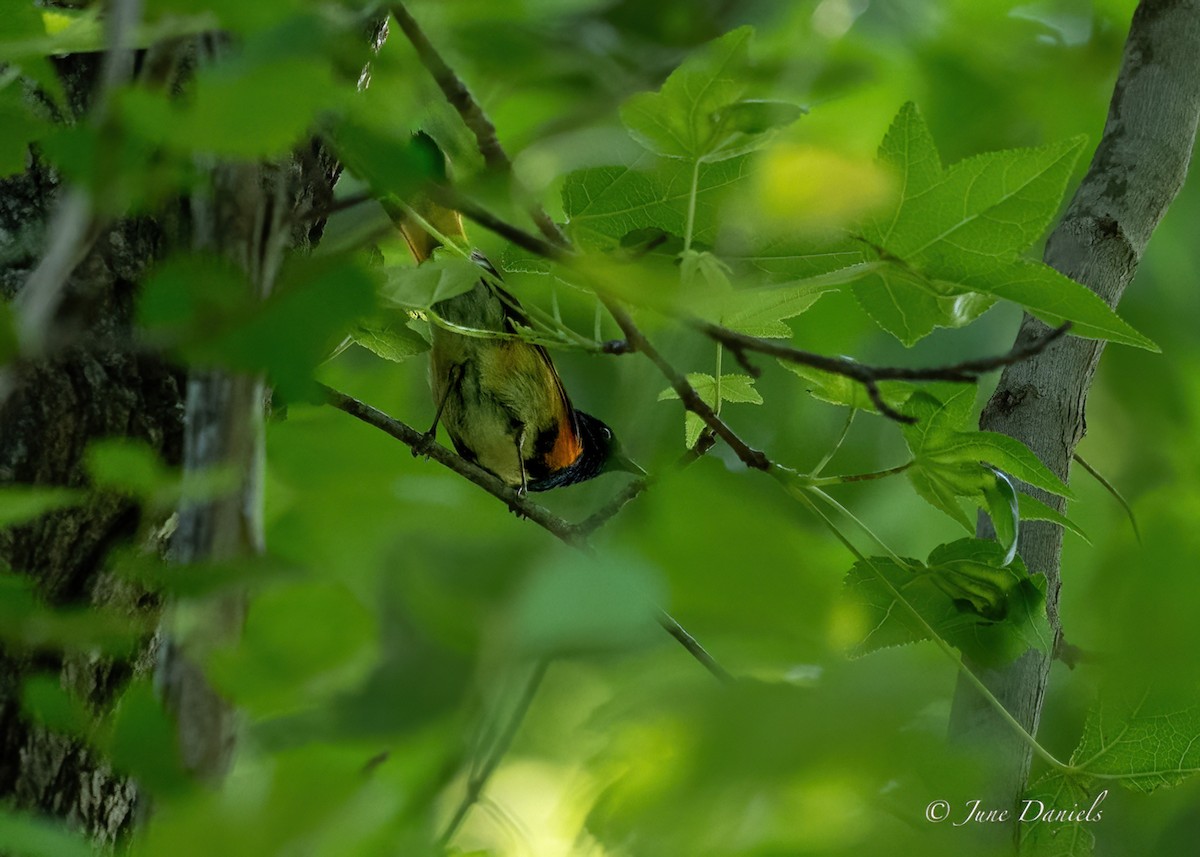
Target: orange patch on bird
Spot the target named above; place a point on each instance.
(567, 447)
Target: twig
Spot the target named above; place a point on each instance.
(472, 114)
(451, 198)
(479, 779)
(76, 223)
(634, 489)
(569, 534)
(968, 371)
(692, 645)
(1116, 495)
(687, 393)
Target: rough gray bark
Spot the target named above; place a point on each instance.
(1136, 172)
(97, 386)
(94, 383)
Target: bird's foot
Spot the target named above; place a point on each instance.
(422, 446)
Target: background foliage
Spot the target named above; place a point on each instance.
(400, 610)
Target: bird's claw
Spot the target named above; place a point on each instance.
(422, 447)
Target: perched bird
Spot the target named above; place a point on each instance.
(501, 400)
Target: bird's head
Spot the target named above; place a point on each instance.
(601, 453)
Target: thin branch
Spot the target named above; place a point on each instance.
(1116, 495)
(693, 647)
(741, 344)
(479, 779)
(469, 209)
(76, 223)
(426, 445)
(968, 371)
(570, 534)
(687, 393)
(472, 113)
(601, 516)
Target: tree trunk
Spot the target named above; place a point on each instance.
(1136, 172)
(94, 383)
(97, 386)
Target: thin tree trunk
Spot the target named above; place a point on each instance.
(1136, 172)
(242, 220)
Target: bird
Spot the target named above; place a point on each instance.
(501, 400)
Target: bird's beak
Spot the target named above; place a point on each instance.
(621, 461)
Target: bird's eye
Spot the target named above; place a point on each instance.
(607, 434)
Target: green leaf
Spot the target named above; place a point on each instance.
(761, 311)
(142, 742)
(737, 389)
(189, 295)
(585, 605)
(439, 279)
(949, 410)
(991, 206)
(390, 165)
(238, 109)
(784, 258)
(905, 304)
(44, 699)
(26, 625)
(200, 579)
(840, 390)
(1033, 509)
(954, 236)
(908, 148)
(389, 336)
(949, 464)
(128, 466)
(274, 669)
(312, 308)
(23, 835)
(604, 204)
(22, 503)
(1145, 740)
(990, 612)
(232, 14)
(1004, 511)
(1044, 837)
(1054, 298)
(1005, 452)
(757, 116)
(123, 172)
(682, 119)
(20, 126)
(132, 468)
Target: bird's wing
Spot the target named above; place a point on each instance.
(568, 444)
